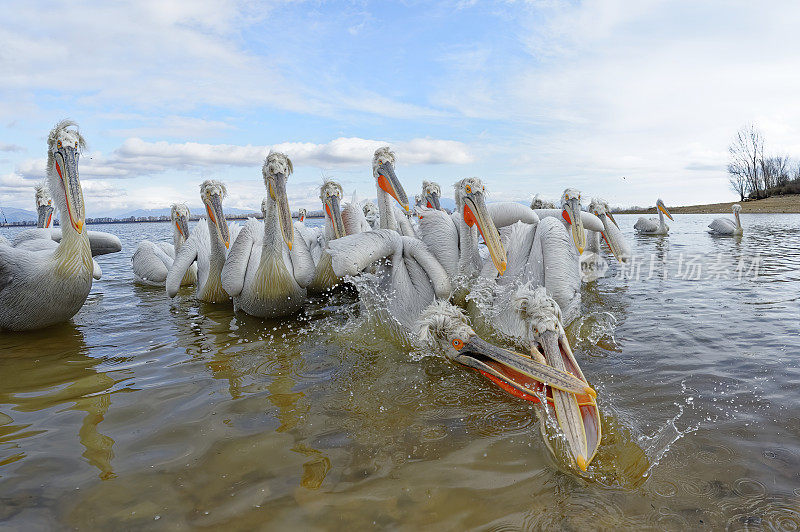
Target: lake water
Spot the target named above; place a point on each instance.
(146, 412)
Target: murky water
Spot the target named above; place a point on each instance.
(145, 412)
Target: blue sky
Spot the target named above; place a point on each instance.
(629, 101)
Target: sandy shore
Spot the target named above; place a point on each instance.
(788, 204)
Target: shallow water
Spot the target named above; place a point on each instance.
(169, 414)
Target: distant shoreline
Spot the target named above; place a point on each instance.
(774, 205)
(141, 220)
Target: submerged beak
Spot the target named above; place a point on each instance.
(334, 213)
(514, 369)
(433, 201)
(389, 183)
(475, 212)
(183, 226)
(572, 215)
(665, 211)
(573, 420)
(66, 162)
(277, 191)
(214, 208)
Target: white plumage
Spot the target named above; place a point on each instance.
(654, 226)
(726, 226)
(151, 261)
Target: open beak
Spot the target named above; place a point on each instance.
(665, 211)
(334, 213)
(389, 183)
(433, 201)
(66, 161)
(214, 208)
(183, 226)
(576, 414)
(475, 212)
(512, 368)
(572, 215)
(277, 190)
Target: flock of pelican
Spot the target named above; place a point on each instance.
(463, 283)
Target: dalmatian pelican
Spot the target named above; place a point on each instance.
(653, 226)
(371, 214)
(532, 377)
(208, 245)
(431, 192)
(268, 270)
(388, 186)
(453, 238)
(44, 206)
(61, 275)
(301, 215)
(540, 203)
(726, 227)
(330, 194)
(151, 262)
(593, 265)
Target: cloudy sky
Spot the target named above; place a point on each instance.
(626, 100)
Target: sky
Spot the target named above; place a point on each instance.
(624, 100)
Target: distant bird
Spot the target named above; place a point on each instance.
(539, 203)
(301, 215)
(591, 260)
(653, 225)
(431, 192)
(44, 206)
(371, 214)
(151, 261)
(41, 288)
(208, 245)
(324, 278)
(268, 270)
(726, 226)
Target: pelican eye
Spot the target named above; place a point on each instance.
(469, 189)
(458, 344)
(59, 143)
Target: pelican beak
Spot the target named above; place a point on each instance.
(182, 223)
(611, 217)
(514, 371)
(214, 208)
(389, 183)
(45, 215)
(572, 215)
(433, 201)
(277, 190)
(66, 162)
(302, 217)
(581, 426)
(475, 212)
(334, 213)
(665, 211)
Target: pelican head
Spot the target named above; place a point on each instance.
(445, 327)
(301, 214)
(44, 206)
(661, 207)
(539, 203)
(179, 214)
(542, 315)
(64, 147)
(431, 193)
(571, 205)
(370, 212)
(383, 172)
(212, 193)
(736, 208)
(599, 208)
(471, 201)
(276, 170)
(331, 195)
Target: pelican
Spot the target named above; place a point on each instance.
(151, 262)
(301, 215)
(554, 376)
(389, 187)
(371, 214)
(324, 279)
(575, 220)
(651, 226)
(268, 270)
(539, 203)
(431, 192)
(44, 206)
(453, 238)
(724, 226)
(208, 245)
(41, 288)
(592, 264)
(354, 216)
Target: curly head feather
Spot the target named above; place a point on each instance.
(537, 308)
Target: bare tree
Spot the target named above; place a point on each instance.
(747, 153)
(739, 183)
